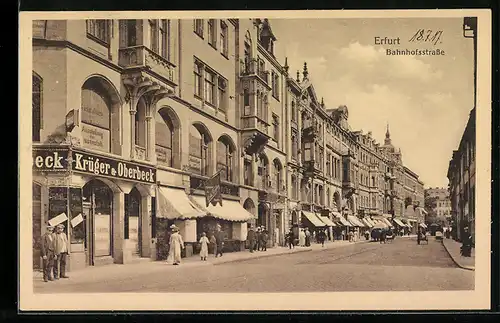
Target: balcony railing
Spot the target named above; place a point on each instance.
(254, 122)
(251, 67)
(141, 56)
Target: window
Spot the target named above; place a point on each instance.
(37, 108)
(198, 72)
(99, 30)
(223, 38)
(199, 150)
(222, 99)
(198, 27)
(263, 171)
(209, 94)
(275, 85)
(153, 29)
(328, 163)
(212, 35)
(276, 131)
(294, 188)
(131, 30)
(167, 138)
(307, 156)
(295, 144)
(246, 102)
(294, 112)
(247, 165)
(224, 159)
(165, 39)
(96, 117)
(277, 175)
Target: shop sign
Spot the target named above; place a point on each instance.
(103, 166)
(49, 159)
(95, 137)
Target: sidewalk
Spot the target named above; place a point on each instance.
(146, 266)
(453, 249)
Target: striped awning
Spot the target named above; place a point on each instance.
(355, 221)
(398, 222)
(327, 221)
(313, 218)
(173, 204)
(343, 221)
(229, 211)
(366, 221)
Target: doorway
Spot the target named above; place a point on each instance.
(132, 221)
(97, 210)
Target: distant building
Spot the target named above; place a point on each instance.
(443, 202)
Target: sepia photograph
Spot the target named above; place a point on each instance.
(334, 160)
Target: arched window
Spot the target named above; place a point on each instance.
(100, 116)
(167, 137)
(225, 150)
(328, 196)
(37, 107)
(294, 112)
(140, 124)
(199, 150)
(277, 175)
(304, 190)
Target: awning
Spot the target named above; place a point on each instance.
(229, 211)
(327, 221)
(367, 222)
(343, 221)
(387, 222)
(354, 220)
(314, 219)
(370, 221)
(379, 225)
(173, 203)
(409, 225)
(423, 225)
(398, 222)
(336, 214)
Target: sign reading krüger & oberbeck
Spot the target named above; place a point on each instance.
(45, 160)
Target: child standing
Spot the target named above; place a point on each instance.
(204, 246)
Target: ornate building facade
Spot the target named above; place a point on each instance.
(123, 144)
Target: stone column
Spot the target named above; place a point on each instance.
(132, 133)
(119, 252)
(150, 139)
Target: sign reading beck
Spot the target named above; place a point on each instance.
(97, 165)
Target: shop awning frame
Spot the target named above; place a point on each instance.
(174, 204)
(230, 210)
(367, 222)
(327, 221)
(398, 222)
(343, 221)
(354, 220)
(314, 219)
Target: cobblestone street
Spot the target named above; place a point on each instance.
(401, 265)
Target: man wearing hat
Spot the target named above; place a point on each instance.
(258, 238)
(251, 236)
(61, 252)
(48, 253)
(219, 240)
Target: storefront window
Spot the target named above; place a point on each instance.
(76, 216)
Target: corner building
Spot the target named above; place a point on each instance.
(130, 117)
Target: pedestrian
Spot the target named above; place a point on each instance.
(343, 235)
(308, 237)
(204, 246)
(48, 253)
(289, 239)
(176, 245)
(219, 237)
(213, 244)
(258, 236)
(61, 252)
(251, 236)
(382, 236)
(264, 237)
(322, 237)
(302, 238)
(166, 239)
(367, 235)
(466, 248)
(351, 235)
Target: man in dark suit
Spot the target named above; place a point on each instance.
(264, 237)
(251, 239)
(219, 237)
(48, 253)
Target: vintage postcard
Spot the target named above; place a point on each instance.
(263, 160)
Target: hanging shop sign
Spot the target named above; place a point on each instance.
(104, 166)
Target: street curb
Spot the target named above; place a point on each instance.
(261, 256)
(455, 261)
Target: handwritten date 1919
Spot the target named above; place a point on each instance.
(427, 36)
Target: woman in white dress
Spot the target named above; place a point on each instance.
(176, 244)
(302, 238)
(204, 246)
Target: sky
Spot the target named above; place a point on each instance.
(426, 100)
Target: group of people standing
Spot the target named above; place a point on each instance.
(257, 239)
(54, 251)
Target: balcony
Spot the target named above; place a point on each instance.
(250, 68)
(142, 58)
(255, 133)
(311, 168)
